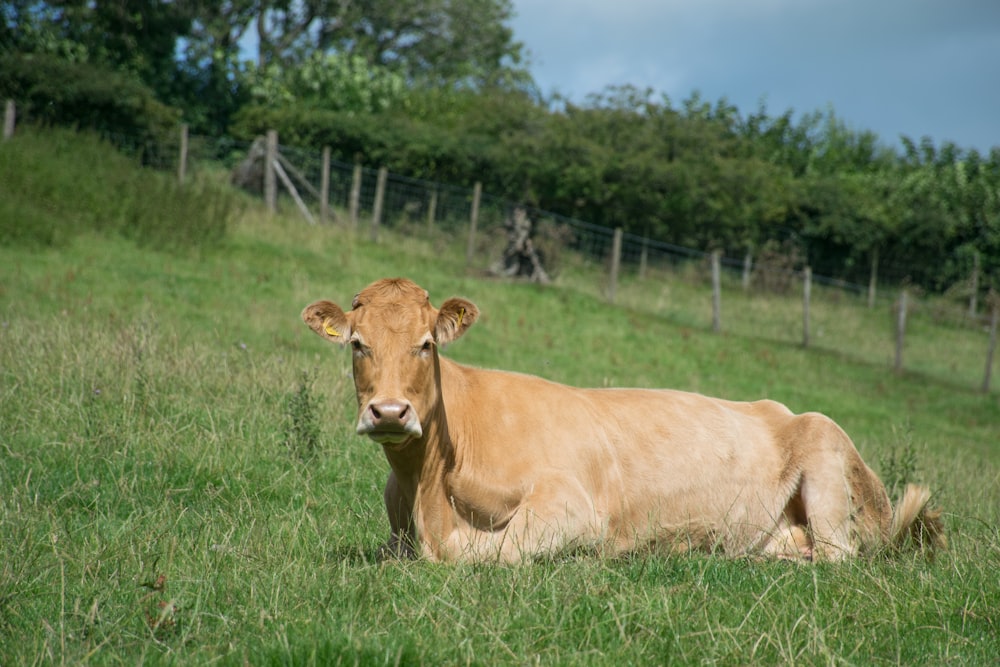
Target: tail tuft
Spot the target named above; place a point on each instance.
(915, 524)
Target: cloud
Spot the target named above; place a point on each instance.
(916, 67)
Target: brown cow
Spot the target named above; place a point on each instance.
(492, 465)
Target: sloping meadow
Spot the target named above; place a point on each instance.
(180, 482)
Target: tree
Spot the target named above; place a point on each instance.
(283, 28)
(212, 80)
(137, 37)
(435, 42)
(52, 90)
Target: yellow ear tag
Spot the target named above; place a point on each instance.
(330, 331)
(461, 316)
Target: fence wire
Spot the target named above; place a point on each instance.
(948, 337)
(762, 297)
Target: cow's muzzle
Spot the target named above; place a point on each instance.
(389, 422)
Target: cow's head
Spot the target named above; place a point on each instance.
(394, 333)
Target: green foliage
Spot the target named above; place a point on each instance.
(333, 82)
(897, 467)
(137, 38)
(56, 184)
(433, 42)
(302, 429)
(52, 91)
(419, 149)
(349, 136)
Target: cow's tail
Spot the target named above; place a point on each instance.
(915, 524)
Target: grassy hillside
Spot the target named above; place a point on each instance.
(180, 482)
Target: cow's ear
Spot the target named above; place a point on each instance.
(454, 318)
(328, 320)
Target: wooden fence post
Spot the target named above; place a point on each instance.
(270, 180)
(355, 203)
(873, 278)
(807, 277)
(747, 270)
(900, 330)
(470, 249)
(383, 173)
(994, 316)
(9, 116)
(182, 159)
(432, 209)
(616, 262)
(644, 258)
(324, 187)
(716, 291)
(973, 298)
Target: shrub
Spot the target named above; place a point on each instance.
(302, 429)
(52, 91)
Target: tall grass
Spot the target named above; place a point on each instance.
(180, 482)
(55, 184)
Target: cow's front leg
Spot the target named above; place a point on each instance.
(402, 537)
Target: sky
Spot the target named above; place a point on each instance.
(895, 67)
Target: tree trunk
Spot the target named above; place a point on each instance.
(520, 258)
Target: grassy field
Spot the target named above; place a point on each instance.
(180, 482)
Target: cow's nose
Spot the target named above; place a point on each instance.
(389, 421)
(388, 414)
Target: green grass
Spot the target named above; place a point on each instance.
(180, 482)
(57, 184)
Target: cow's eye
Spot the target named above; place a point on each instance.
(425, 348)
(357, 346)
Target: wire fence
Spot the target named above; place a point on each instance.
(772, 296)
